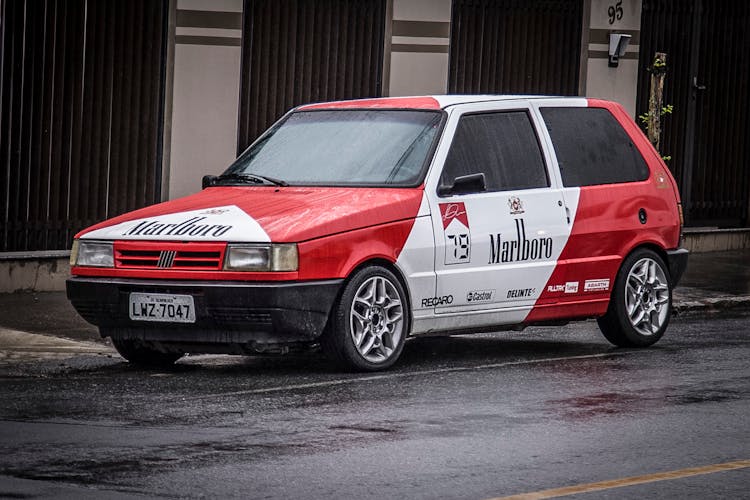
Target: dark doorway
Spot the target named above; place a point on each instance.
(515, 46)
(708, 135)
(81, 114)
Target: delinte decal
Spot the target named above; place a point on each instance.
(521, 292)
(519, 250)
(189, 227)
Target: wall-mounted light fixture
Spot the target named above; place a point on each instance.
(618, 42)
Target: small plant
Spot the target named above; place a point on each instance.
(656, 109)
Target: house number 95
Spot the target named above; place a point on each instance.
(615, 12)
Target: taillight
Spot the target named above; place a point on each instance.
(682, 218)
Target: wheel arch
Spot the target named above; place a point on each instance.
(391, 266)
(647, 245)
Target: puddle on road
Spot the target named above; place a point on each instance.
(616, 403)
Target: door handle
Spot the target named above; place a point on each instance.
(567, 214)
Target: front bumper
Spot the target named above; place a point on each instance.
(677, 263)
(226, 312)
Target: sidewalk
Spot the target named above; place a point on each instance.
(713, 283)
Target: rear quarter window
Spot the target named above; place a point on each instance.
(592, 148)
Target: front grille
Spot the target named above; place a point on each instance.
(197, 256)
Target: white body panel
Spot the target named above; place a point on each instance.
(228, 223)
(494, 251)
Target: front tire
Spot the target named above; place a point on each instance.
(144, 354)
(641, 301)
(369, 322)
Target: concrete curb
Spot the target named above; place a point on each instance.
(712, 305)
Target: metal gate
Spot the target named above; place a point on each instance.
(300, 51)
(708, 135)
(80, 115)
(515, 46)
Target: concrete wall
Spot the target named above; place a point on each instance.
(618, 84)
(34, 271)
(417, 62)
(205, 91)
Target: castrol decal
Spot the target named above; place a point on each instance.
(227, 223)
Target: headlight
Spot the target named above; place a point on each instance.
(93, 254)
(261, 258)
(74, 253)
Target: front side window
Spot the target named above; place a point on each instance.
(344, 147)
(503, 146)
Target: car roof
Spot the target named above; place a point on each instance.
(425, 102)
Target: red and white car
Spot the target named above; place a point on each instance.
(357, 224)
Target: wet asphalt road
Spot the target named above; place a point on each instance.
(459, 417)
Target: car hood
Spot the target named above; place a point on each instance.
(261, 214)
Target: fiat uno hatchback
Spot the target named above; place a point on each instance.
(355, 225)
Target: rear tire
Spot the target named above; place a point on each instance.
(143, 353)
(369, 322)
(641, 301)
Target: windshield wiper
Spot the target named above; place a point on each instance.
(251, 179)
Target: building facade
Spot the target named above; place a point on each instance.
(109, 106)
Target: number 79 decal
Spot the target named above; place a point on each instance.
(457, 233)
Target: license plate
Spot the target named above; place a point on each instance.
(162, 307)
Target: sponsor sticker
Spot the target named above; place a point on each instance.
(520, 249)
(571, 287)
(519, 293)
(515, 205)
(437, 301)
(600, 285)
(225, 223)
(480, 296)
(457, 233)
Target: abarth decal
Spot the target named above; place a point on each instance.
(601, 285)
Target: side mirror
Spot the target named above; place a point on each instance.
(465, 184)
(208, 180)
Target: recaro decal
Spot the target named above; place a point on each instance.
(457, 233)
(437, 301)
(521, 249)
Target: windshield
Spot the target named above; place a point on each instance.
(343, 147)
